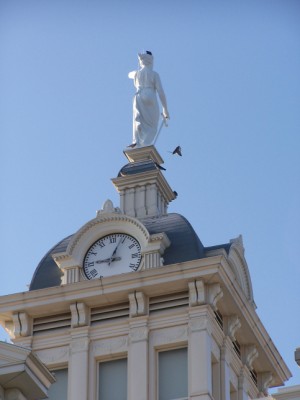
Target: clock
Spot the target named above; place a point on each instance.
(112, 254)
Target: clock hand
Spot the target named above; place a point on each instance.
(108, 260)
(114, 252)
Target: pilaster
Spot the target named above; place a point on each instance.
(144, 191)
(242, 390)
(225, 369)
(199, 354)
(78, 364)
(138, 359)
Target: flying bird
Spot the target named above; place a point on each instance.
(177, 151)
(132, 145)
(160, 167)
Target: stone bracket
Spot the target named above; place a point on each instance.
(22, 324)
(233, 324)
(138, 304)
(197, 293)
(264, 381)
(214, 294)
(250, 353)
(80, 315)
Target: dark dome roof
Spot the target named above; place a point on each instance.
(138, 167)
(47, 273)
(185, 246)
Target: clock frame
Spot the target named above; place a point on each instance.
(112, 254)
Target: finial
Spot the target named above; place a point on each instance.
(108, 208)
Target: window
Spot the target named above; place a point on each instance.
(173, 375)
(59, 389)
(113, 380)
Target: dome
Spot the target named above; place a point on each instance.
(47, 273)
(185, 246)
(138, 167)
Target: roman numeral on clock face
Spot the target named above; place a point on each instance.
(94, 273)
(133, 266)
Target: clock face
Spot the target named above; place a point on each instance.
(112, 254)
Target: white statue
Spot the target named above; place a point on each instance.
(145, 105)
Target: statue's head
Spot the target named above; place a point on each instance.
(145, 59)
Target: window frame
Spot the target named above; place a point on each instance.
(110, 358)
(165, 349)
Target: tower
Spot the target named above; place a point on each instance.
(134, 306)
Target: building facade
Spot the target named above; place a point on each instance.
(133, 306)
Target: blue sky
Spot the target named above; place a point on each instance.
(230, 70)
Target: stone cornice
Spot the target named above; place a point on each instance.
(151, 282)
(255, 325)
(145, 178)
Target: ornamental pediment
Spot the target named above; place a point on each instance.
(109, 244)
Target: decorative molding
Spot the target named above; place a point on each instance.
(169, 335)
(156, 247)
(108, 208)
(239, 242)
(143, 153)
(214, 294)
(162, 239)
(250, 353)
(138, 304)
(198, 324)
(138, 334)
(79, 345)
(196, 293)
(53, 355)
(106, 218)
(152, 260)
(238, 264)
(22, 324)
(79, 315)
(108, 346)
(233, 324)
(71, 275)
(24, 341)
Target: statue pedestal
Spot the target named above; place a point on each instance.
(143, 154)
(144, 191)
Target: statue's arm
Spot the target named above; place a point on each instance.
(162, 96)
(132, 74)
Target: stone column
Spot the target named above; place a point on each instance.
(199, 355)
(78, 364)
(138, 347)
